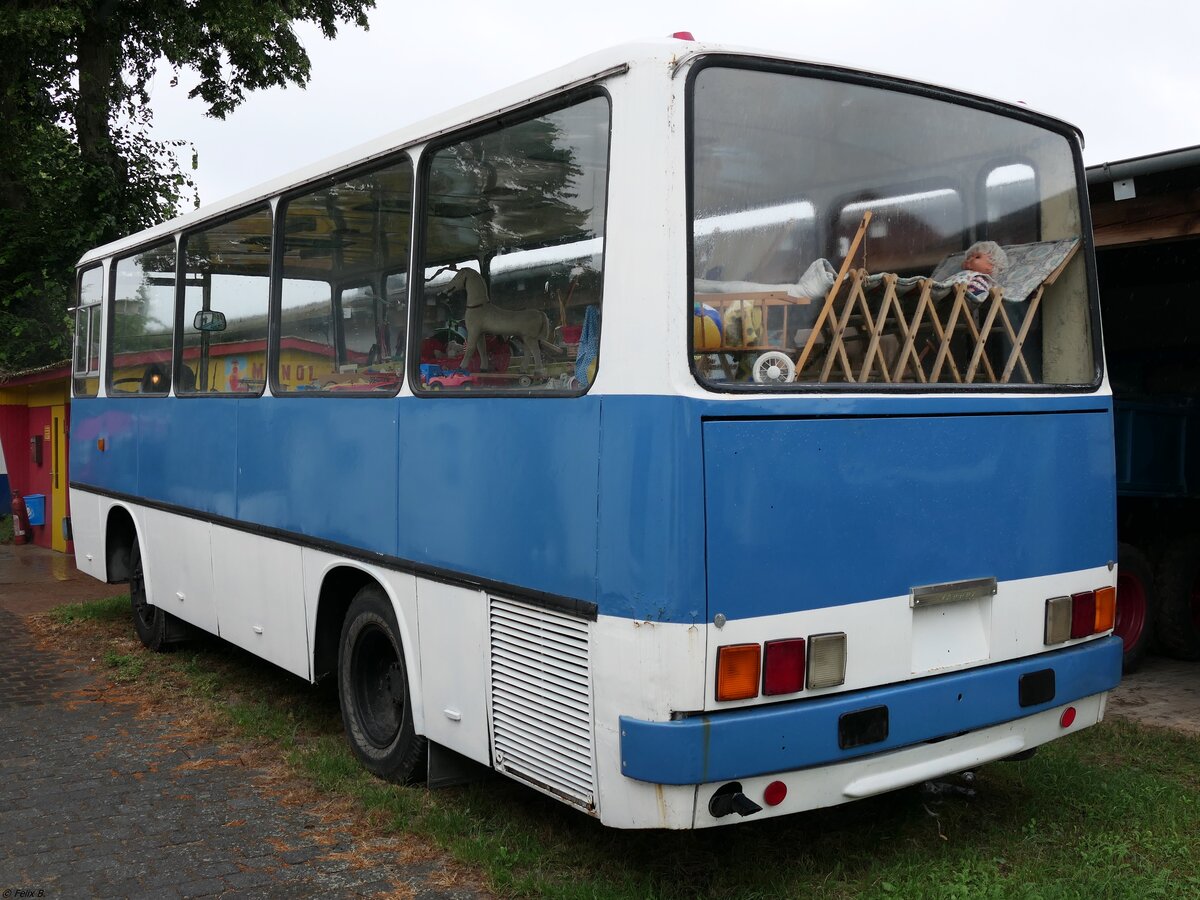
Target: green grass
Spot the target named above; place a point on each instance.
(6, 529)
(126, 667)
(111, 609)
(1112, 812)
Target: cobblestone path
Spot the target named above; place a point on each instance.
(97, 800)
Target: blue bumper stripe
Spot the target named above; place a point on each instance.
(780, 738)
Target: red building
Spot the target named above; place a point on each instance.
(35, 420)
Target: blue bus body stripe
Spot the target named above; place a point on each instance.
(788, 736)
(647, 506)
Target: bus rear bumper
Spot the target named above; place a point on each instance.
(856, 779)
(1000, 698)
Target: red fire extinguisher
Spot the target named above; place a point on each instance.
(20, 519)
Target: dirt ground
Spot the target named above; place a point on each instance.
(1165, 692)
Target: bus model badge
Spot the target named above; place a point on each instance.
(951, 592)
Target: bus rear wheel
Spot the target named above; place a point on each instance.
(1179, 591)
(1135, 605)
(373, 690)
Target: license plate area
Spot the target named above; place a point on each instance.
(952, 624)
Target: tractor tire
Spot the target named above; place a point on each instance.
(1136, 605)
(1178, 587)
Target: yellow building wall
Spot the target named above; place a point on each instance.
(53, 393)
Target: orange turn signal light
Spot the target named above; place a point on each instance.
(1106, 608)
(738, 671)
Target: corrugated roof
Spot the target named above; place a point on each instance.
(33, 376)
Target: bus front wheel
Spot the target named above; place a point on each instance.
(373, 689)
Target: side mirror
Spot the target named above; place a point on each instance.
(209, 320)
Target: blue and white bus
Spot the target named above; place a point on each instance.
(631, 431)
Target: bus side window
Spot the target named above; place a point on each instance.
(342, 328)
(1011, 198)
(87, 333)
(514, 258)
(225, 304)
(909, 233)
(143, 312)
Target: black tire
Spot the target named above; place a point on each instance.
(1179, 598)
(153, 626)
(373, 690)
(1136, 605)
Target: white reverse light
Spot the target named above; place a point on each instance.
(826, 660)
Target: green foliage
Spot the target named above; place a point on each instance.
(78, 167)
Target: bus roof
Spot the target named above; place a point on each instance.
(669, 52)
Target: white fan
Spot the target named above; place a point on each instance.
(774, 367)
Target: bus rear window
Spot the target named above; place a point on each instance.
(850, 234)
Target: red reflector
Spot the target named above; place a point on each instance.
(1083, 614)
(774, 793)
(783, 671)
(683, 36)
(1068, 717)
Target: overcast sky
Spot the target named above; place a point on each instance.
(1128, 74)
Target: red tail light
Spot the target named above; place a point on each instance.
(1083, 614)
(783, 667)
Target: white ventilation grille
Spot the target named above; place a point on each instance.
(542, 699)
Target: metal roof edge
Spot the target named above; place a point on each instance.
(1149, 164)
